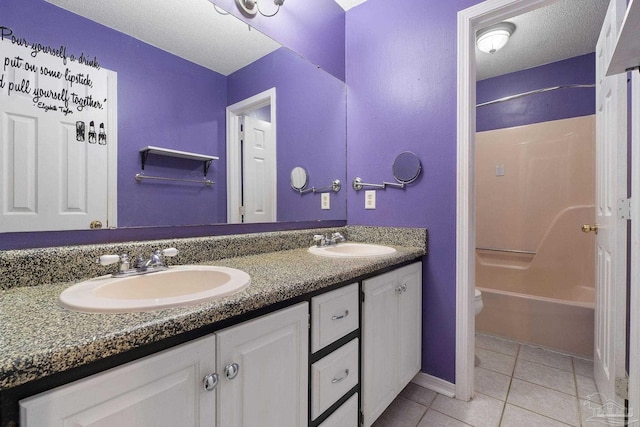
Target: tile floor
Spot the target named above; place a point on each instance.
(516, 386)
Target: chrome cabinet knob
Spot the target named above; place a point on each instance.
(231, 371)
(399, 290)
(210, 381)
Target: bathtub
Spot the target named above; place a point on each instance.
(561, 325)
(544, 297)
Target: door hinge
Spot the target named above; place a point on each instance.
(624, 209)
(362, 296)
(361, 418)
(622, 388)
(241, 210)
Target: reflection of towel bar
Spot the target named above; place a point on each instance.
(513, 251)
(207, 182)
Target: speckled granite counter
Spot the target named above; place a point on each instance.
(39, 338)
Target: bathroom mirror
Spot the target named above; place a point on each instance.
(299, 178)
(170, 99)
(406, 167)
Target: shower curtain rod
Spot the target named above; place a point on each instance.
(547, 89)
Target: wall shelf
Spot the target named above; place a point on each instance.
(150, 149)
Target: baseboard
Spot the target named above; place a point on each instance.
(434, 383)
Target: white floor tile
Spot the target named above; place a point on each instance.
(498, 345)
(586, 387)
(404, 412)
(491, 383)
(495, 361)
(418, 394)
(517, 417)
(546, 357)
(583, 367)
(436, 419)
(481, 411)
(544, 401)
(545, 376)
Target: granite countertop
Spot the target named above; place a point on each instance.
(39, 338)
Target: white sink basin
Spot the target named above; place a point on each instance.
(177, 286)
(351, 250)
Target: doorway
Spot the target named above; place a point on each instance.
(251, 159)
(469, 20)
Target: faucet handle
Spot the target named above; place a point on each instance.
(169, 252)
(107, 259)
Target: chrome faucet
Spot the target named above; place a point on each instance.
(141, 265)
(321, 240)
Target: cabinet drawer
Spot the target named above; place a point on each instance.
(333, 376)
(333, 315)
(345, 416)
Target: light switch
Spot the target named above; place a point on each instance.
(325, 201)
(499, 170)
(370, 199)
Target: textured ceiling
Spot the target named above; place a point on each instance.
(562, 30)
(219, 42)
(191, 29)
(348, 4)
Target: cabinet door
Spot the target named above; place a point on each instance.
(270, 357)
(409, 332)
(161, 390)
(379, 353)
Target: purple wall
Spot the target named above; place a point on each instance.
(304, 94)
(401, 95)
(315, 29)
(554, 105)
(161, 111)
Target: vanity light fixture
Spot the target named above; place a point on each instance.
(495, 37)
(250, 7)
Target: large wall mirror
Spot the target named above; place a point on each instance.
(173, 73)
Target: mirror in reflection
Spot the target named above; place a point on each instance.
(299, 178)
(171, 94)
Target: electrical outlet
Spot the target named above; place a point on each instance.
(370, 199)
(325, 201)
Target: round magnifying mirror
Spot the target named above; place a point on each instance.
(299, 178)
(406, 167)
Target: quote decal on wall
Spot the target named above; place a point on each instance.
(53, 79)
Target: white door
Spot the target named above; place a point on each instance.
(263, 368)
(611, 180)
(259, 171)
(51, 180)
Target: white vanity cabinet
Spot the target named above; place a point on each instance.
(263, 368)
(164, 389)
(391, 337)
(262, 380)
(335, 371)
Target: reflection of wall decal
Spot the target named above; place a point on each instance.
(80, 129)
(92, 133)
(76, 75)
(102, 137)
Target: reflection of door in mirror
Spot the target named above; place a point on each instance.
(251, 159)
(55, 173)
(259, 165)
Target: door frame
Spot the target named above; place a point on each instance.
(469, 20)
(234, 170)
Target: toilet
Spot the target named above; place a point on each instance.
(478, 302)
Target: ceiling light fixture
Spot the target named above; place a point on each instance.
(250, 7)
(493, 38)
